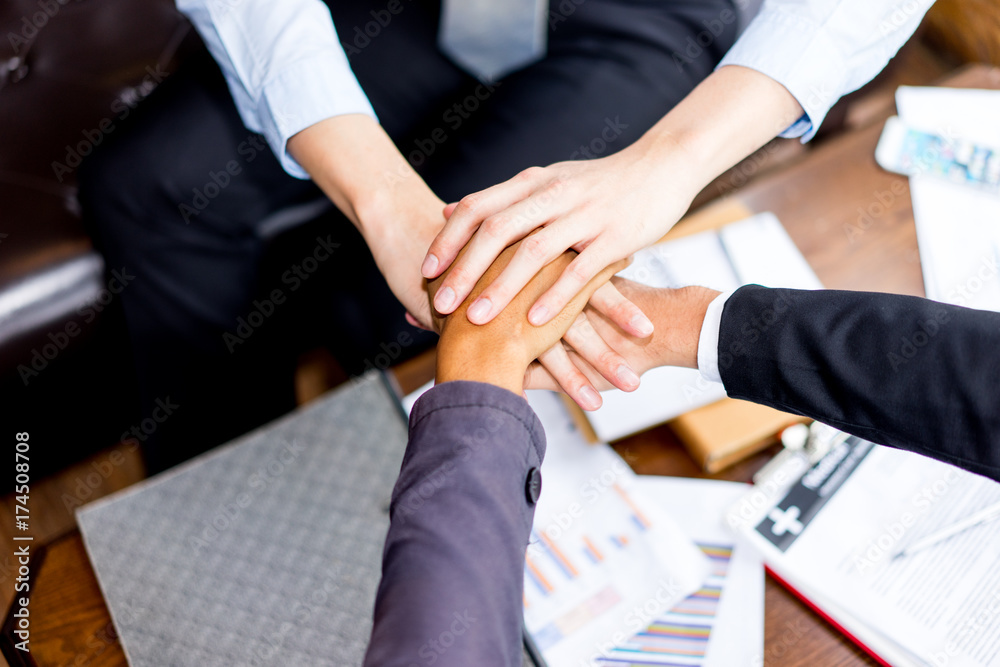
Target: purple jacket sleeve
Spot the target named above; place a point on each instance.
(461, 513)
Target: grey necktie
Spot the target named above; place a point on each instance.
(489, 38)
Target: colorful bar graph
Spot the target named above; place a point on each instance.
(681, 637)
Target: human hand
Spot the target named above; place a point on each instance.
(605, 208)
(500, 351)
(678, 315)
(356, 164)
(560, 367)
(612, 206)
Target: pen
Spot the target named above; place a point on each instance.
(982, 516)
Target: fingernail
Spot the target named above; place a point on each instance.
(591, 400)
(479, 311)
(444, 299)
(429, 267)
(642, 324)
(627, 376)
(539, 315)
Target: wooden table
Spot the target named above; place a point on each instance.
(852, 221)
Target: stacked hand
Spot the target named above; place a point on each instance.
(678, 315)
(500, 352)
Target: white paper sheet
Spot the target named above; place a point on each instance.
(755, 250)
(603, 561)
(940, 606)
(734, 625)
(958, 228)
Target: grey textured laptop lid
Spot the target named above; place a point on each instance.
(266, 552)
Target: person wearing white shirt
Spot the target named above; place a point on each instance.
(361, 107)
(896, 370)
(389, 128)
(792, 63)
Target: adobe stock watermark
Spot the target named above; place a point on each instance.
(590, 491)
(229, 513)
(639, 617)
(434, 648)
(910, 345)
(420, 491)
(695, 45)
(757, 326)
(763, 495)
(884, 200)
(901, 16)
(263, 308)
(363, 35)
(217, 181)
(452, 119)
(966, 290)
(299, 612)
(613, 128)
(886, 543)
(121, 107)
(776, 650)
(42, 356)
(86, 486)
(33, 23)
(561, 11)
(391, 351)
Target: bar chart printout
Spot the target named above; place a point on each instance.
(680, 636)
(602, 563)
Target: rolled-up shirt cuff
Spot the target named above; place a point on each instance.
(800, 55)
(708, 340)
(305, 93)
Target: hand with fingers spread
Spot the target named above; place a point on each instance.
(606, 208)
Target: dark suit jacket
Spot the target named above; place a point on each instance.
(896, 370)
(461, 513)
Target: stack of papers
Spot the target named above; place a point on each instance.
(603, 562)
(834, 532)
(755, 250)
(622, 569)
(722, 623)
(958, 228)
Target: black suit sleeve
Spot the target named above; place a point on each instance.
(461, 514)
(896, 370)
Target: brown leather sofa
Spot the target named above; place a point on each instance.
(70, 72)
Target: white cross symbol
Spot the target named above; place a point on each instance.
(785, 521)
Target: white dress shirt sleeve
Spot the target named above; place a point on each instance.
(708, 340)
(283, 63)
(820, 50)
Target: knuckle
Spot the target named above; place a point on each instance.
(580, 271)
(609, 359)
(495, 226)
(459, 277)
(535, 247)
(469, 204)
(531, 173)
(555, 185)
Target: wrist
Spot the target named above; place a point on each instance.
(356, 164)
(473, 362)
(678, 316)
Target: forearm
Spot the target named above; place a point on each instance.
(356, 164)
(897, 370)
(729, 115)
(452, 571)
